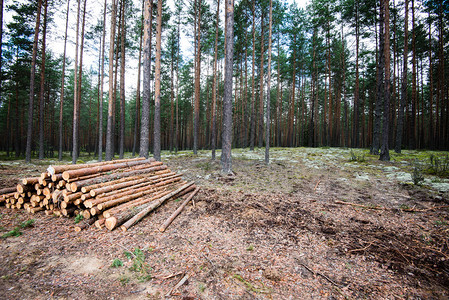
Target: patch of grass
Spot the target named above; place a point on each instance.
(201, 287)
(440, 222)
(139, 264)
(250, 286)
(356, 156)
(404, 207)
(144, 278)
(124, 280)
(27, 223)
(16, 231)
(206, 166)
(250, 248)
(439, 165)
(116, 263)
(417, 174)
(78, 218)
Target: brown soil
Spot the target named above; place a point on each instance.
(266, 232)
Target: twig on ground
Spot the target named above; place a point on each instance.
(172, 275)
(318, 273)
(360, 205)
(316, 185)
(361, 249)
(181, 282)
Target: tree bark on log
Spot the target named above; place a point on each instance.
(85, 224)
(152, 206)
(87, 189)
(8, 190)
(29, 181)
(66, 175)
(76, 185)
(61, 168)
(178, 211)
(118, 215)
(120, 209)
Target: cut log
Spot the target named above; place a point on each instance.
(21, 188)
(8, 195)
(119, 194)
(86, 214)
(144, 182)
(94, 211)
(56, 177)
(130, 211)
(86, 189)
(68, 211)
(120, 214)
(100, 223)
(73, 179)
(34, 210)
(178, 211)
(129, 206)
(72, 197)
(29, 181)
(152, 206)
(115, 187)
(84, 224)
(45, 175)
(8, 190)
(43, 182)
(103, 168)
(62, 168)
(78, 184)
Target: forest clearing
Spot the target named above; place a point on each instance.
(317, 222)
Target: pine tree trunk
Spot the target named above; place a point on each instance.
(400, 125)
(268, 122)
(32, 78)
(431, 133)
(253, 90)
(137, 114)
(77, 99)
(122, 81)
(355, 130)
(42, 83)
(1, 57)
(100, 117)
(197, 79)
(261, 85)
(384, 152)
(157, 86)
(278, 100)
(109, 136)
(214, 85)
(226, 162)
(145, 117)
(413, 127)
(377, 126)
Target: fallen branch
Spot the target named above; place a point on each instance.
(385, 208)
(360, 205)
(181, 282)
(318, 273)
(316, 185)
(178, 211)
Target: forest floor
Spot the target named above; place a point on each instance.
(277, 231)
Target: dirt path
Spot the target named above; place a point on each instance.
(268, 232)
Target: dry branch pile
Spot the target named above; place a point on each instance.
(111, 194)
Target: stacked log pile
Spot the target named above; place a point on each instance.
(108, 194)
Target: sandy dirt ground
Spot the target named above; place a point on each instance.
(280, 231)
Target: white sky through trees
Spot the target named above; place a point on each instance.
(55, 36)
